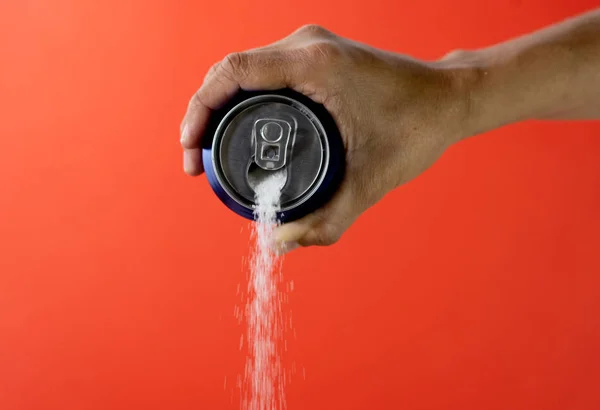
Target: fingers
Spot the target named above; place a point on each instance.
(278, 65)
(321, 228)
(192, 161)
(191, 130)
(261, 69)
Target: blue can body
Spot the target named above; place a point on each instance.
(333, 174)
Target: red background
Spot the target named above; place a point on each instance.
(476, 286)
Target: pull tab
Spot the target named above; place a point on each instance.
(272, 139)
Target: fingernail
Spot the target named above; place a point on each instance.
(184, 134)
(187, 162)
(287, 247)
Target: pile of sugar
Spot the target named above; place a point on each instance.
(264, 378)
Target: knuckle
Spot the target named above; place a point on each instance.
(211, 71)
(456, 54)
(323, 52)
(196, 100)
(313, 29)
(234, 66)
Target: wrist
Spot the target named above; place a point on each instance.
(472, 92)
(489, 91)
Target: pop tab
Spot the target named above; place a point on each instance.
(272, 137)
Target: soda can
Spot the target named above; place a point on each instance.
(261, 132)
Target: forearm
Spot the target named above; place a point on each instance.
(553, 73)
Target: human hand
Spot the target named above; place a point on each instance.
(396, 115)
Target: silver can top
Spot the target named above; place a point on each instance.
(270, 133)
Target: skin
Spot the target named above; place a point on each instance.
(397, 115)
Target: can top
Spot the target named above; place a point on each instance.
(270, 133)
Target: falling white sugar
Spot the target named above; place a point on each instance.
(264, 378)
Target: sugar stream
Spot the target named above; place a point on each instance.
(264, 379)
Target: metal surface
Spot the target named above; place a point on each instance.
(268, 133)
(259, 132)
(272, 138)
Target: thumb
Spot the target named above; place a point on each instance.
(323, 227)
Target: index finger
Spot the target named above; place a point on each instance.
(261, 69)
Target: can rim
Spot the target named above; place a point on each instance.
(239, 108)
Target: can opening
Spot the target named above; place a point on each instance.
(270, 153)
(255, 175)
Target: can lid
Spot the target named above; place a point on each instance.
(270, 133)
